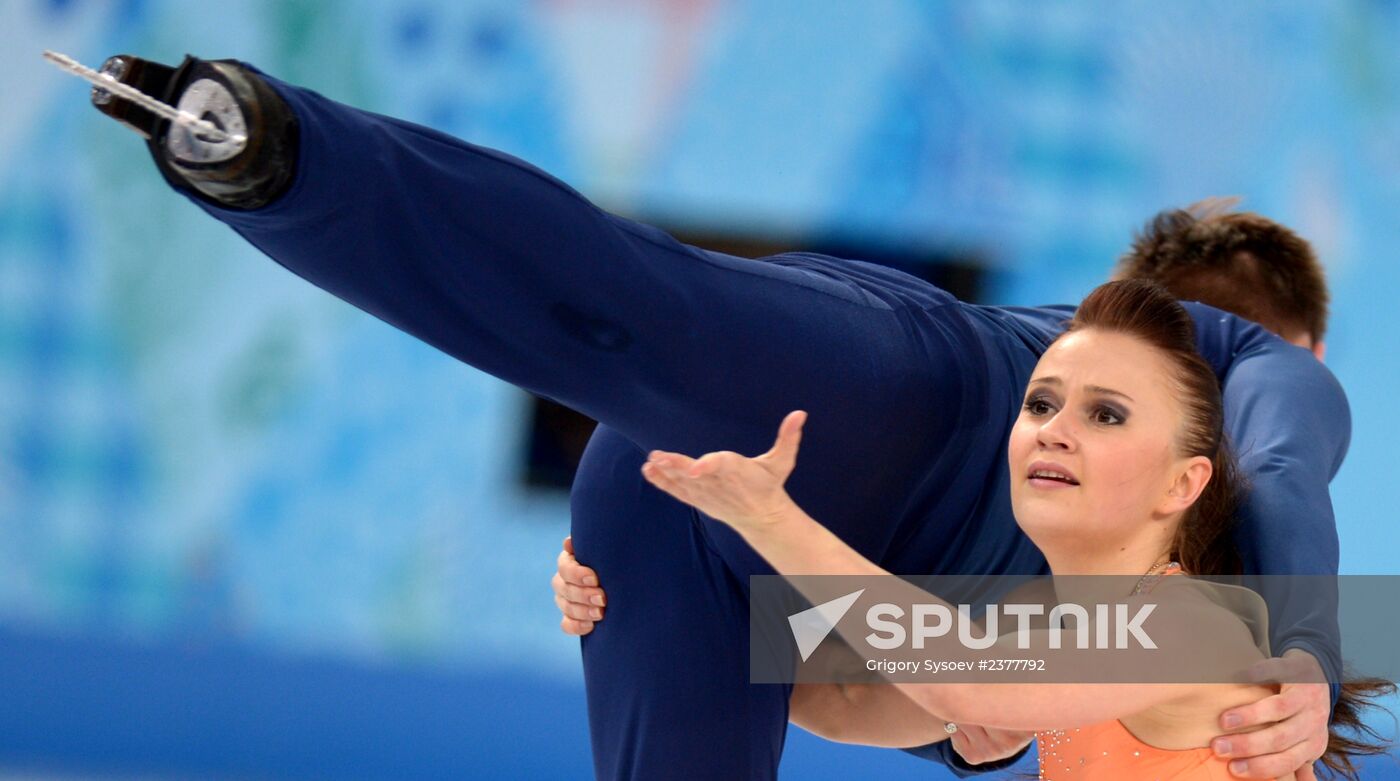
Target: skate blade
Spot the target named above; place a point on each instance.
(107, 86)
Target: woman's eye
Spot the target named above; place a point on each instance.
(1037, 406)
(1107, 416)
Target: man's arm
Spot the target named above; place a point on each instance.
(1290, 425)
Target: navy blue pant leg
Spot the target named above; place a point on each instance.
(667, 669)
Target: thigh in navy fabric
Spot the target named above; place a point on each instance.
(667, 669)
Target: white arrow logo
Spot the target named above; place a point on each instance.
(811, 626)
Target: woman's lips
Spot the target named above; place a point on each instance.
(1047, 484)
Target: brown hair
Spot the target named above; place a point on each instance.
(1236, 261)
(1203, 546)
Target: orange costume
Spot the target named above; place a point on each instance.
(1107, 751)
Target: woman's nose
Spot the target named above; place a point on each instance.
(1055, 433)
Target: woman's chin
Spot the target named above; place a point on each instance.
(1043, 507)
(1040, 525)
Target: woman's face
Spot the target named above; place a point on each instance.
(1099, 410)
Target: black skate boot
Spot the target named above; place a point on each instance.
(249, 168)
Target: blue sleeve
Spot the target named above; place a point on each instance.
(943, 752)
(1290, 425)
(504, 267)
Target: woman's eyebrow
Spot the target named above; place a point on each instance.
(1091, 388)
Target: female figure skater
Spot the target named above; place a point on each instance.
(1118, 466)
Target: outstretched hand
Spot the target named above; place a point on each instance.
(745, 493)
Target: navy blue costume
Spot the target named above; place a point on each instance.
(911, 396)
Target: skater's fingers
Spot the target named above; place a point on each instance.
(715, 463)
(963, 746)
(977, 744)
(664, 478)
(658, 478)
(574, 572)
(579, 575)
(569, 545)
(782, 457)
(579, 595)
(578, 611)
(680, 470)
(575, 627)
(672, 461)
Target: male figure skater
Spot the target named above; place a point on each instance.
(1238, 262)
(672, 347)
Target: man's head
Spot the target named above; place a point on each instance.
(1236, 261)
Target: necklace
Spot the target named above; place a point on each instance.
(1164, 565)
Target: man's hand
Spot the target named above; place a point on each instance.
(1294, 721)
(977, 745)
(576, 593)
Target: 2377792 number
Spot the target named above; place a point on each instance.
(1028, 665)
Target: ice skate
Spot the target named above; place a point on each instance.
(211, 125)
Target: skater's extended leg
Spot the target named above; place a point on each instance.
(506, 268)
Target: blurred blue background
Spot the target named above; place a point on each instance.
(249, 532)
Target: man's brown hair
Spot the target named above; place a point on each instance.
(1236, 261)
